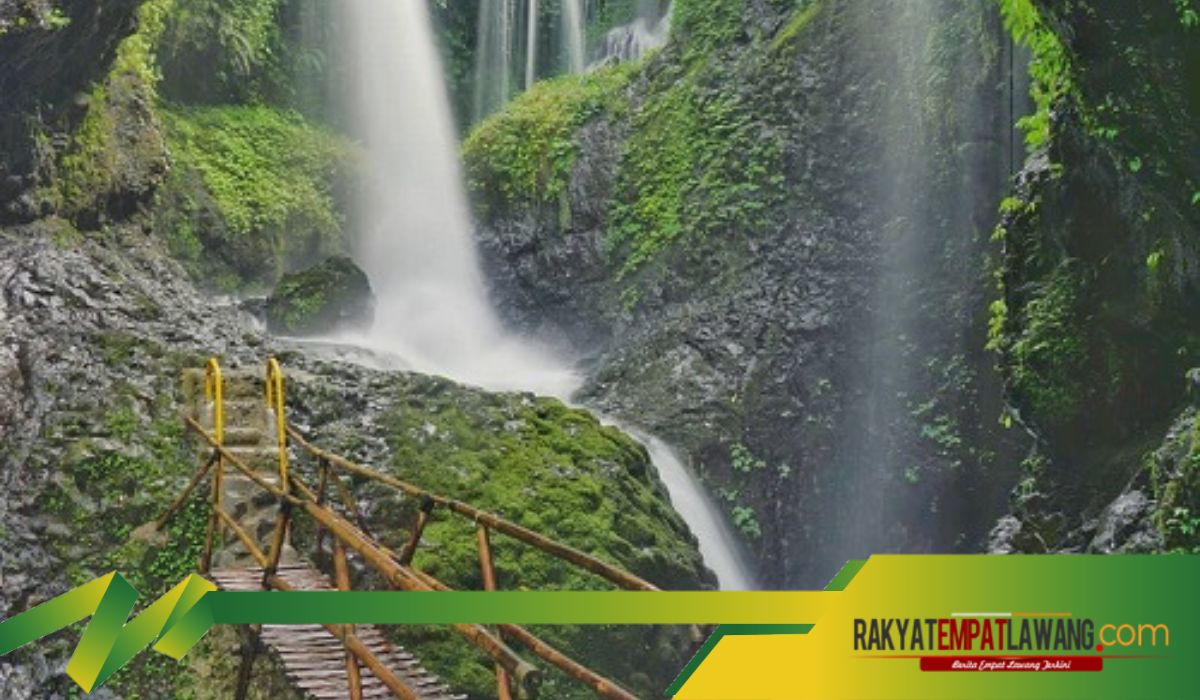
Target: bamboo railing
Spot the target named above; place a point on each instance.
(513, 673)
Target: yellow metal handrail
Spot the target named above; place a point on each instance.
(275, 403)
(396, 569)
(214, 392)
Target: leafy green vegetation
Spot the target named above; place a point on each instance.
(703, 26)
(1175, 477)
(523, 155)
(743, 460)
(1049, 67)
(238, 41)
(252, 189)
(1045, 358)
(102, 157)
(696, 164)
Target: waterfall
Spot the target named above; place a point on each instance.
(531, 43)
(494, 56)
(939, 164)
(415, 241)
(573, 31)
(644, 33)
(718, 546)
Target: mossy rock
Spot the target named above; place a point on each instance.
(332, 295)
(535, 461)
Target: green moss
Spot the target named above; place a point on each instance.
(702, 26)
(697, 163)
(1175, 478)
(252, 188)
(1046, 356)
(548, 467)
(523, 155)
(97, 159)
(320, 298)
(124, 492)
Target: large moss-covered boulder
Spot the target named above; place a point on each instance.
(332, 295)
(536, 461)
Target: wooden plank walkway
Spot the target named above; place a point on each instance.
(315, 660)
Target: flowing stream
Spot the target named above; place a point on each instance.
(415, 244)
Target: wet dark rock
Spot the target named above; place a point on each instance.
(1122, 526)
(764, 337)
(333, 295)
(1101, 280)
(44, 66)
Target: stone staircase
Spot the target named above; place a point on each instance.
(249, 436)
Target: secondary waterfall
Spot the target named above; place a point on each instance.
(938, 166)
(495, 52)
(574, 30)
(415, 242)
(718, 545)
(645, 32)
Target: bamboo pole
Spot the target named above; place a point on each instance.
(489, 584)
(201, 471)
(319, 545)
(245, 538)
(360, 652)
(414, 535)
(583, 560)
(401, 577)
(278, 539)
(239, 464)
(598, 683)
(342, 575)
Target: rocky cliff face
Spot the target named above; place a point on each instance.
(52, 57)
(1101, 277)
(769, 241)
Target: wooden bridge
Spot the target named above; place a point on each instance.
(254, 494)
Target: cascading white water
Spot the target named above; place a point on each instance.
(718, 546)
(494, 56)
(415, 245)
(644, 33)
(573, 30)
(531, 42)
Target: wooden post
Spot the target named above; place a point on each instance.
(342, 574)
(178, 503)
(282, 521)
(320, 534)
(414, 536)
(525, 675)
(604, 687)
(617, 575)
(503, 688)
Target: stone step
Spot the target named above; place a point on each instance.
(255, 510)
(237, 384)
(242, 436)
(246, 414)
(263, 459)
